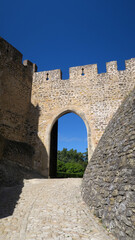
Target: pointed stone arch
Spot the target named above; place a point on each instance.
(53, 137)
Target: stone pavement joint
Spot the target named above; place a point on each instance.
(52, 209)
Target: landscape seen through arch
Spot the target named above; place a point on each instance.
(72, 153)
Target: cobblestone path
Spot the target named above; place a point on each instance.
(50, 209)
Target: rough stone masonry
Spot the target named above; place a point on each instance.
(94, 97)
(31, 103)
(109, 180)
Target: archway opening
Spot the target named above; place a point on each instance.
(68, 146)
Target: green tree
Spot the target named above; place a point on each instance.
(71, 163)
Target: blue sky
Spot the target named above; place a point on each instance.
(61, 34)
(72, 133)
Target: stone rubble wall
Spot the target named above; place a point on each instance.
(31, 102)
(94, 97)
(15, 162)
(15, 103)
(109, 180)
(15, 92)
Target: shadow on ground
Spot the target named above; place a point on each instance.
(11, 185)
(9, 197)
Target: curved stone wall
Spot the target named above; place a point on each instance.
(109, 181)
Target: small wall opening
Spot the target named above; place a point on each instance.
(82, 72)
(68, 147)
(47, 76)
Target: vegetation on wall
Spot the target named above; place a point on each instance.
(71, 163)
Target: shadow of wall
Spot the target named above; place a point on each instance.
(31, 128)
(109, 180)
(9, 196)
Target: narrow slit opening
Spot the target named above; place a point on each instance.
(83, 72)
(47, 78)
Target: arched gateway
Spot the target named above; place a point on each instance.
(54, 139)
(31, 103)
(92, 96)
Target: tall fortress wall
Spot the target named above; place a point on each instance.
(15, 102)
(15, 91)
(94, 97)
(31, 103)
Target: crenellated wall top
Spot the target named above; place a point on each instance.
(88, 71)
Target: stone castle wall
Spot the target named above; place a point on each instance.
(31, 102)
(15, 91)
(15, 101)
(94, 97)
(109, 180)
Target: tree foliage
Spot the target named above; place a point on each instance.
(71, 163)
